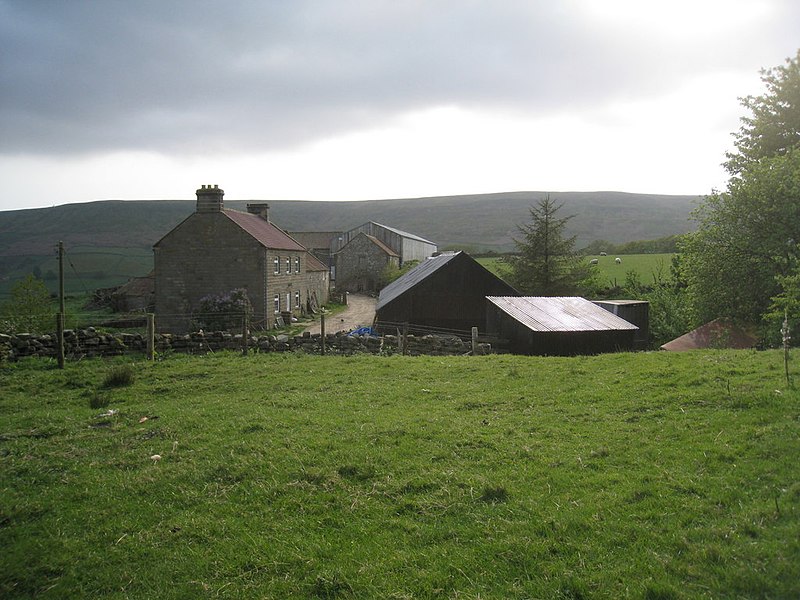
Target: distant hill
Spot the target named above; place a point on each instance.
(479, 221)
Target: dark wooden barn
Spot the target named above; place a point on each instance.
(557, 326)
(447, 291)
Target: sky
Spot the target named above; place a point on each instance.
(371, 99)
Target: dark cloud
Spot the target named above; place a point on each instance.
(192, 75)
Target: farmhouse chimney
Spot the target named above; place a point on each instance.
(209, 199)
(259, 208)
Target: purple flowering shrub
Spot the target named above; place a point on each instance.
(223, 312)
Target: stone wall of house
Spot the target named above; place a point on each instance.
(206, 254)
(209, 254)
(92, 343)
(360, 265)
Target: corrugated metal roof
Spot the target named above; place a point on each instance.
(413, 277)
(267, 234)
(405, 234)
(559, 313)
(718, 333)
(381, 245)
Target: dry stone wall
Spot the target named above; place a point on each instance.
(90, 343)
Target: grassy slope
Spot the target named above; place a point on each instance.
(645, 476)
(647, 266)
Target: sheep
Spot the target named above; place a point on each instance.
(618, 260)
(603, 254)
(593, 261)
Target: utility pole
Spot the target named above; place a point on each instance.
(61, 307)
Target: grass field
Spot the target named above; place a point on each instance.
(653, 475)
(645, 265)
(85, 269)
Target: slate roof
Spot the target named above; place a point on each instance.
(315, 239)
(559, 314)
(314, 264)
(423, 270)
(264, 232)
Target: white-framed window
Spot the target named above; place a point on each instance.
(296, 264)
(276, 262)
(288, 264)
(277, 303)
(297, 299)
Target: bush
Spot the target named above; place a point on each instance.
(223, 312)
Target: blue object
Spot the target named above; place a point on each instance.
(363, 331)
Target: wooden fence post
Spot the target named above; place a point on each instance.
(474, 341)
(60, 340)
(151, 336)
(405, 339)
(245, 334)
(322, 332)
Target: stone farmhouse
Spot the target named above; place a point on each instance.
(363, 253)
(216, 250)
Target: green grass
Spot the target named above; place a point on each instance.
(620, 476)
(645, 265)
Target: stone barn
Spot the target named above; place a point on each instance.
(557, 326)
(447, 291)
(216, 250)
(362, 264)
(407, 246)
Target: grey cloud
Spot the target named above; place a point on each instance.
(190, 75)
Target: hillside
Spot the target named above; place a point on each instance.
(128, 229)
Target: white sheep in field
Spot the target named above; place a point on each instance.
(618, 260)
(593, 261)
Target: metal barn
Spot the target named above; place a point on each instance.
(407, 245)
(446, 291)
(559, 326)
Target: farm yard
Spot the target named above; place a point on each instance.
(649, 475)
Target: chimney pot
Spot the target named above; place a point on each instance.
(209, 199)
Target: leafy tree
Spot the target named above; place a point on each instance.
(669, 311)
(773, 126)
(29, 309)
(735, 259)
(546, 263)
(743, 241)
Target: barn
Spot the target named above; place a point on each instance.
(447, 291)
(363, 262)
(559, 326)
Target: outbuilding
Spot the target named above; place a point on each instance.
(559, 326)
(447, 291)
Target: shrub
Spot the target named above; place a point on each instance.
(119, 376)
(223, 312)
(98, 400)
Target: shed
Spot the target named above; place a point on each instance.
(136, 294)
(633, 311)
(560, 326)
(447, 291)
(719, 333)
